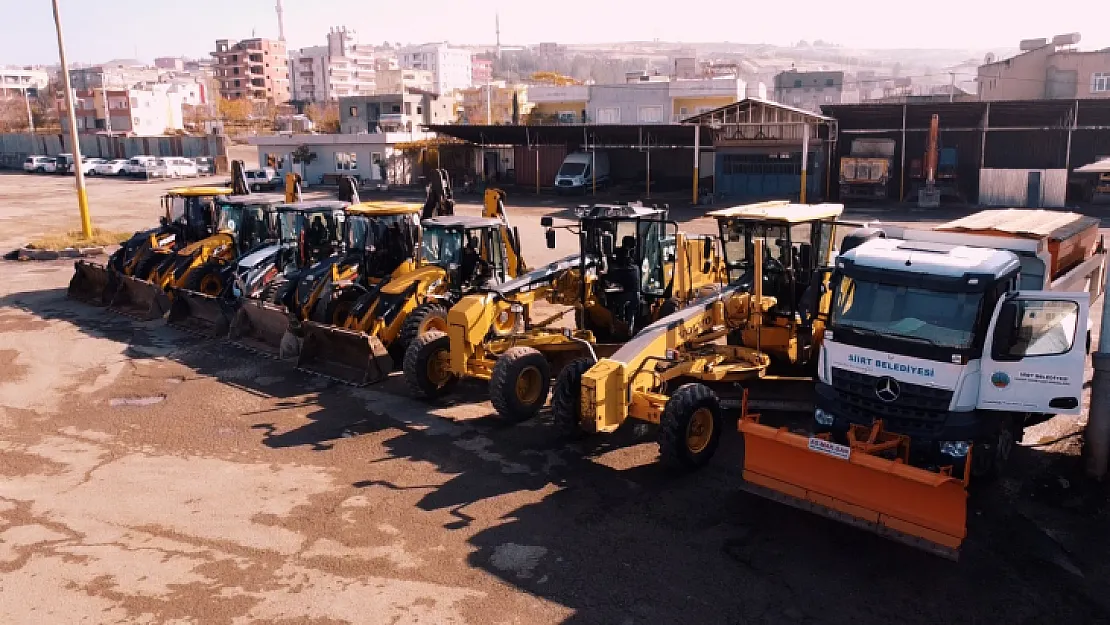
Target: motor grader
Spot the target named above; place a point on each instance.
(188, 216)
(458, 255)
(612, 290)
(378, 241)
(308, 233)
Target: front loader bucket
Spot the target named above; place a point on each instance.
(139, 299)
(89, 283)
(198, 313)
(857, 484)
(351, 357)
(259, 326)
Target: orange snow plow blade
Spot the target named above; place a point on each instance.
(868, 483)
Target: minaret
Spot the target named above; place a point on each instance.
(497, 30)
(281, 22)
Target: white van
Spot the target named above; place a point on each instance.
(576, 173)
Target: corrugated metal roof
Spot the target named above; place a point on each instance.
(1097, 167)
(1032, 223)
(780, 211)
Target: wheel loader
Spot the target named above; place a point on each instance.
(612, 290)
(378, 240)
(189, 216)
(458, 255)
(308, 232)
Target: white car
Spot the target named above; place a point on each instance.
(112, 168)
(88, 165)
(137, 165)
(179, 167)
(38, 164)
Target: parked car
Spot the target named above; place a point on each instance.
(63, 164)
(179, 167)
(114, 167)
(264, 179)
(88, 165)
(158, 168)
(49, 166)
(36, 164)
(137, 165)
(206, 165)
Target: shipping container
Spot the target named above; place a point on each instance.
(550, 158)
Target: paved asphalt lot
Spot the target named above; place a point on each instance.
(149, 476)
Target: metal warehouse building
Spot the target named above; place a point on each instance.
(1010, 153)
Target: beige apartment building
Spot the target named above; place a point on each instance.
(1047, 70)
(254, 69)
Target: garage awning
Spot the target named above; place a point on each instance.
(576, 135)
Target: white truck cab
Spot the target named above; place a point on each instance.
(950, 344)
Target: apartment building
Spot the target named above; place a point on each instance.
(174, 63)
(117, 74)
(392, 81)
(339, 69)
(481, 70)
(20, 81)
(493, 103)
(405, 111)
(450, 66)
(809, 90)
(641, 99)
(1047, 70)
(134, 112)
(253, 69)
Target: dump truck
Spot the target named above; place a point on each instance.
(308, 232)
(188, 216)
(491, 335)
(458, 255)
(931, 352)
(865, 173)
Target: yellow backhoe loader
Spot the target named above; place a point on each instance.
(612, 290)
(458, 254)
(188, 216)
(379, 240)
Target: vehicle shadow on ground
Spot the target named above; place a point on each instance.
(620, 542)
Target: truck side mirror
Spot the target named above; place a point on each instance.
(607, 243)
(550, 238)
(546, 222)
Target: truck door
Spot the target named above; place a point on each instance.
(1035, 356)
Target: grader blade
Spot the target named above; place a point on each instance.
(139, 299)
(198, 313)
(867, 483)
(89, 283)
(351, 357)
(259, 327)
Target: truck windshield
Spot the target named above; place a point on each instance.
(441, 246)
(937, 317)
(572, 169)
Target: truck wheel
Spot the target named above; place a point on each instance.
(424, 318)
(206, 279)
(427, 365)
(520, 383)
(566, 405)
(690, 427)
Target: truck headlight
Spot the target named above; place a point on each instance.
(956, 449)
(822, 417)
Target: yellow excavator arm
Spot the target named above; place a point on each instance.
(493, 207)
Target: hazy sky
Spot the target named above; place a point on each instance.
(99, 30)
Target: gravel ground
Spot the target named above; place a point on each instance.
(151, 476)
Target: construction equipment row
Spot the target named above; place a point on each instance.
(926, 351)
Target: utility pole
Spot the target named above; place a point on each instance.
(952, 86)
(79, 174)
(1096, 445)
(27, 101)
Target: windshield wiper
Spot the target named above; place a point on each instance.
(878, 333)
(919, 339)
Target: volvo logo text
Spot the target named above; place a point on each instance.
(887, 389)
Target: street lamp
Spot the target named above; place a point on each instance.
(82, 198)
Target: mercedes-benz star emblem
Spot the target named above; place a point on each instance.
(887, 389)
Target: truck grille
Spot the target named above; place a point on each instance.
(918, 410)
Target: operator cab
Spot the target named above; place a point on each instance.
(381, 236)
(471, 249)
(250, 219)
(311, 231)
(193, 210)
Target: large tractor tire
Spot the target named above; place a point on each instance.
(427, 365)
(566, 403)
(690, 428)
(207, 279)
(425, 318)
(520, 383)
(337, 309)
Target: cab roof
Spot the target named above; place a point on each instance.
(199, 191)
(314, 206)
(254, 199)
(383, 209)
(780, 210)
(462, 221)
(937, 259)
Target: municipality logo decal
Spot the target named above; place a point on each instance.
(1000, 379)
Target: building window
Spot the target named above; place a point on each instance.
(346, 161)
(797, 83)
(408, 108)
(651, 114)
(609, 115)
(1100, 83)
(354, 111)
(828, 82)
(419, 110)
(828, 99)
(682, 111)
